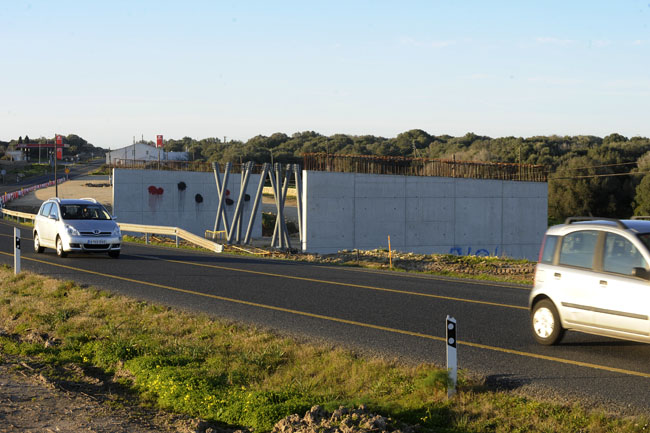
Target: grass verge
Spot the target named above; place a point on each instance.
(243, 376)
(490, 268)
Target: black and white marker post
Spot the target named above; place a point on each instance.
(16, 250)
(452, 358)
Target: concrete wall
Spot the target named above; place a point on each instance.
(423, 214)
(158, 198)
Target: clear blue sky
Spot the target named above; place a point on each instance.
(111, 70)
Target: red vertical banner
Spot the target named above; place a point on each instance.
(159, 141)
(59, 150)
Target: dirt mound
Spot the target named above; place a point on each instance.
(342, 420)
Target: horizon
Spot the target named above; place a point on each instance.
(153, 140)
(109, 72)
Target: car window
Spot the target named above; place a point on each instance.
(548, 250)
(621, 256)
(54, 211)
(45, 209)
(578, 248)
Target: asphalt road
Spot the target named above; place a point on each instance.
(394, 314)
(76, 170)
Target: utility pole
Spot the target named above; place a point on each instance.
(57, 141)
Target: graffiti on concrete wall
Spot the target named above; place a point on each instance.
(481, 252)
(181, 195)
(155, 195)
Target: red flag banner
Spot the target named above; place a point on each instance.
(159, 141)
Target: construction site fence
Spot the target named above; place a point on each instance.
(371, 165)
(424, 167)
(176, 165)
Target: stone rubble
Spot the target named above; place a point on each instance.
(342, 420)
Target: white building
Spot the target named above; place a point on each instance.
(16, 155)
(144, 152)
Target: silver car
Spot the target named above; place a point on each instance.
(81, 225)
(593, 276)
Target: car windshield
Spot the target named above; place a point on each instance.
(84, 212)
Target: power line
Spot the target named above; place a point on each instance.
(595, 166)
(631, 173)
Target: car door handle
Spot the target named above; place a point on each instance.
(603, 282)
(557, 275)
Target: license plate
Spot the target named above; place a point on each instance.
(97, 242)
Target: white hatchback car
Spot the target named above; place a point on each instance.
(593, 276)
(82, 225)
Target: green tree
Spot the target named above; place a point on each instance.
(614, 138)
(642, 197)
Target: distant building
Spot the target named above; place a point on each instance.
(15, 155)
(144, 152)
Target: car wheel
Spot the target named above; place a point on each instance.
(114, 254)
(59, 248)
(545, 322)
(37, 244)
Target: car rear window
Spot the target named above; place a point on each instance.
(548, 249)
(578, 248)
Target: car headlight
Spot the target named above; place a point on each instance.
(71, 230)
(117, 232)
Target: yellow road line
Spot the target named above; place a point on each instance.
(336, 283)
(406, 275)
(352, 322)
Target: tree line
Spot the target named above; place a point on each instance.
(75, 146)
(588, 175)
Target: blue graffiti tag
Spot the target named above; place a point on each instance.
(479, 253)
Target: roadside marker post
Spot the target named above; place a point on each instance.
(452, 357)
(16, 250)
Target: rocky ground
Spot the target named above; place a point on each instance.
(521, 271)
(31, 401)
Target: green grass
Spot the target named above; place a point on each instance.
(21, 221)
(245, 376)
(27, 169)
(104, 169)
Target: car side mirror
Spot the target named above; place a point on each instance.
(114, 218)
(641, 273)
(52, 217)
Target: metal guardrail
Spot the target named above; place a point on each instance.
(172, 231)
(14, 213)
(141, 228)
